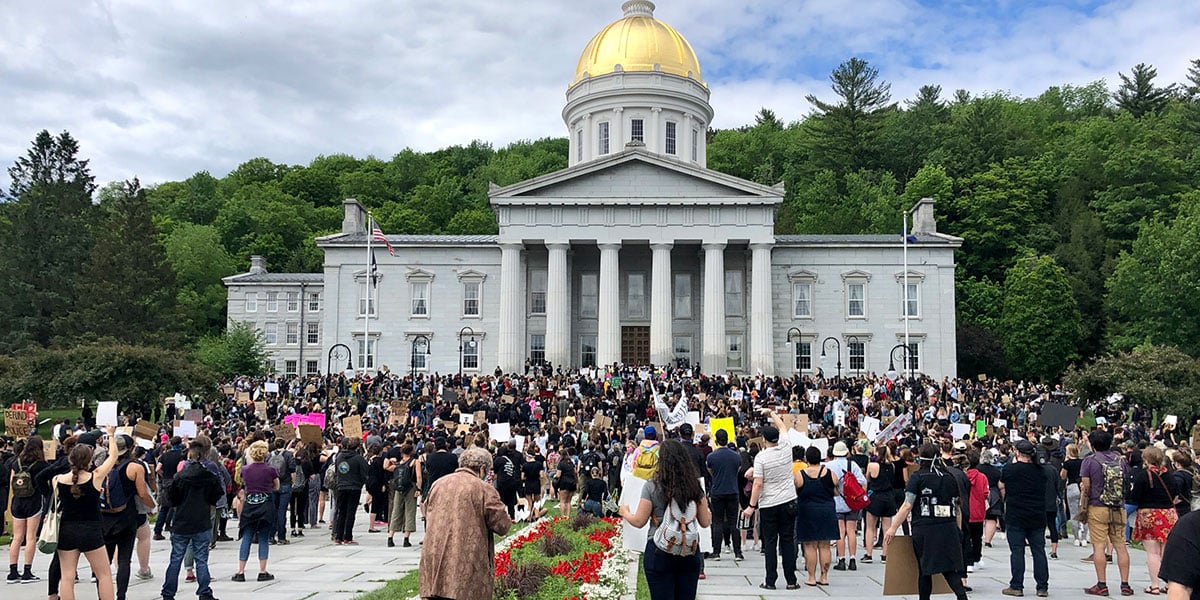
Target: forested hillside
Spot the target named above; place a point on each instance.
(1079, 208)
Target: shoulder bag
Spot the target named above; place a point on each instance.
(48, 541)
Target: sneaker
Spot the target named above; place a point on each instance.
(866, 559)
(1054, 555)
(987, 544)
(840, 565)
(190, 578)
(1096, 590)
(224, 538)
(739, 556)
(1012, 592)
(1086, 559)
(158, 537)
(299, 533)
(349, 543)
(239, 577)
(853, 565)
(970, 568)
(283, 542)
(391, 543)
(264, 576)
(883, 559)
(1043, 593)
(713, 556)
(13, 578)
(407, 543)
(144, 574)
(30, 578)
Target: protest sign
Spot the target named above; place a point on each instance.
(398, 407)
(726, 424)
(520, 440)
(145, 430)
(15, 424)
(450, 396)
(1172, 420)
(260, 410)
(313, 418)
(243, 397)
(602, 422)
(49, 450)
(185, 429)
(736, 395)
(1000, 423)
(1059, 415)
(352, 426)
(506, 399)
(228, 390)
(839, 418)
(900, 574)
(310, 434)
(106, 414)
(870, 427)
(894, 428)
(633, 538)
(125, 431)
(284, 431)
(480, 417)
(499, 432)
(143, 443)
(193, 414)
(980, 428)
(693, 417)
(463, 429)
(466, 418)
(830, 393)
(960, 430)
(271, 387)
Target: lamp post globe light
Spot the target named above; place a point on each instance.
(838, 343)
(338, 352)
(793, 332)
(413, 359)
(892, 374)
(462, 346)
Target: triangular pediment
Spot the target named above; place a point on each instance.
(635, 174)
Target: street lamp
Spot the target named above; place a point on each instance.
(793, 332)
(461, 347)
(838, 343)
(907, 356)
(413, 359)
(850, 342)
(338, 352)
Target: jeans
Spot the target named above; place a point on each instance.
(724, 520)
(777, 525)
(283, 499)
(346, 502)
(670, 577)
(262, 534)
(198, 544)
(593, 507)
(314, 499)
(164, 517)
(1035, 538)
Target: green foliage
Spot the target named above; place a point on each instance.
(1157, 377)
(846, 133)
(1139, 95)
(1040, 322)
(199, 261)
(240, 350)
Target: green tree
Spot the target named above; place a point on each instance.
(1040, 322)
(911, 137)
(199, 261)
(127, 281)
(238, 351)
(846, 133)
(473, 221)
(993, 213)
(1138, 95)
(45, 238)
(1158, 377)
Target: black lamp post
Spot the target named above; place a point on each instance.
(413, 358)
(838, 343)
(891, 372)
(339, 351)
(462, 347)
(793, 332)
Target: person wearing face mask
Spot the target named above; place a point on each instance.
(462, 512)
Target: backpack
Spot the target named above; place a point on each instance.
(331, 474)
(116, 492)
(852, 491)
(1113, 492)
(279, 461)
(404, 477)
(1195, 489)
(646, 463)
(22, 482)
(678, 534)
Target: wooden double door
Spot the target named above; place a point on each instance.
(635, 344)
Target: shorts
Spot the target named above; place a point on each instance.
(1106, 525)
(27, 507)
(883, 504)
(83, 536)
(852, 516)
(1154, 524)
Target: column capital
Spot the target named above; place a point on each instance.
(558, 245)
(618, 110)
(656, 109)
(762, 246)
(714, 246)
(511, 246)
(608, 246)
(662, 246)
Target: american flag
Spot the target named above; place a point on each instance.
(378, 236)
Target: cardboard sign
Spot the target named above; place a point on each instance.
(506, 399)
(243, 397)
(15, 424)
(462, 429)
(145, 430)
(398, 407)
(900, 574)
(284, 431)
(228, 390)
(352, 427)
(49, 450)
(310, 434)
(830, 393)
(193, 414)
(480, 417)
(1059, 415)
(602, 422)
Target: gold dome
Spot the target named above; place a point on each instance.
(638, 42)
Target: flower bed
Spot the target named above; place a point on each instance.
(564, 559)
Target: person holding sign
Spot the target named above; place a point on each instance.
(773, 497)
(932, 498)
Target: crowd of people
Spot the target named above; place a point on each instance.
(811, 470)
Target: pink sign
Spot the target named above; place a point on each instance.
(314, 418)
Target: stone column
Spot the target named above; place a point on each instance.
(558, 307)
(714, 355)
(661, 344)
(653, 135)
(762, 346)
(617, 131)
(589, 144)
(608, 338)
(511, 341)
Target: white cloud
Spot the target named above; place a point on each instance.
(163, 89)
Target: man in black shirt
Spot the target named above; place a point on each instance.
(194, 493)
(1180, 569)
(438, 465)
(723, 466)
(1023, 487)
(168, 464)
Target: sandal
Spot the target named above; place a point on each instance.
(793, 586)
(1152, 590)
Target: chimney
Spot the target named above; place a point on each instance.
(922, 217)
(258, 264)
(355, 220)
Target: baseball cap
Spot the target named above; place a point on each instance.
(770, 433)
(649, 432)
(840, 449)
(124, 444)
(1024, 447)
(960, 446)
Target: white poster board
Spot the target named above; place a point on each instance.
(960, 430)
(186, 429)
(466, 419)
(499, 432)
(106, 414)
(633, 538)
(271, 387)
(870, 426)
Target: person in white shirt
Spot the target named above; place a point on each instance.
(773, 496)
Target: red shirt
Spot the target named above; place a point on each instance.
(979, 495)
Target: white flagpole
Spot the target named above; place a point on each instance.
(904, 294)
(370, 295)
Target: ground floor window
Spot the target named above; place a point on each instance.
(858, 356)
(289, 368)
(803, 356)
(470, 355)
(537, 348)
(734, 341)
(366, 354)
(587, 350)
(312, 367)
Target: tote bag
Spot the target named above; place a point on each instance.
(48, 542)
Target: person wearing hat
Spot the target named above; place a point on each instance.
(1023, 489)
(847, 519)
(773, 497)
(645, 457)
(118, 513)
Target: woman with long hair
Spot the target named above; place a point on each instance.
(1070, 474)
(880, 481)
(80, 529)
(1153, 496)
(816, 515)
(377, 481)
(676, 481)
(26, 508)
(567, 482)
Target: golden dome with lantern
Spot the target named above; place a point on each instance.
(638, 42)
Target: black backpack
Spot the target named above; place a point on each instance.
(22, 482)
(404, 477)
(117, 491)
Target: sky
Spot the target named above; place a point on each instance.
(161, 89)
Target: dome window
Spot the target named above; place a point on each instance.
(669, 146)
(637, 130)
(602, 138)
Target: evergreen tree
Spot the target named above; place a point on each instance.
(44, 239)
(846, 133)
(127, 284)
(1040, 322)
(1138, 95)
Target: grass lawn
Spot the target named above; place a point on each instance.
(406, 587)
(56, 415)
(643, 590)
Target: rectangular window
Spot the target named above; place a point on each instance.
(578, 145)
(471, 298)
(802, 300)
(366, 299)
(314, 302)
(470, 354)
(420, 355)
(420, 298)
(289, 368)
(602, 138)
(272, 301)
(858, 356)
(271, 333)
(669, 146)
(537, 292)
(695, 145)
(637, 132)
(912, 301)
(312, 336)
(252, 302)
(734, 294)
(293, 334)
(537, 348)
(272, 365)
(734, 341)
(312, 367)
(587, 350)
(683, 349)
(366, 356)
(589, 296)
(914, 357)
(803, 356)
(683, 295)
(856, 300)
(635, 295)
(293, 301)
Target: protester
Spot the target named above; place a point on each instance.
(463, 513)
(1070, 474)
(351, 469)
(27, 503)
(881, 479)
(847, 540)
(284, 463)
(773, 498)
(1153, 494)
(256, 520)
(1102, 483)
(80, 527)
(816, 515)
(1023, 488)
(1180, 569)
(124, 485)
(723, 464)
(405, 486)
(194, 492)
(978, 509)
